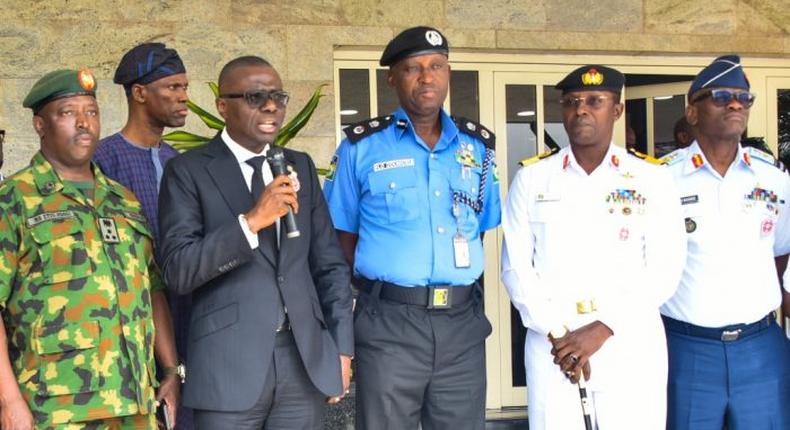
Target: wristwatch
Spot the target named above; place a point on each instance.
(180, 371)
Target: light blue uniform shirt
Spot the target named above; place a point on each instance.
(396, 193)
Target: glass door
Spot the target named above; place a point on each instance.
(653, 112)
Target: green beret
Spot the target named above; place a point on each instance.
(60, 84)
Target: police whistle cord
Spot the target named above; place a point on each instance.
(587, 406)
(276, 161)
(462, 197)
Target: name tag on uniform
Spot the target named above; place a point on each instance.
(109, 233)
(547, 197)
(50, 216)
(393, 164)
(687, 200)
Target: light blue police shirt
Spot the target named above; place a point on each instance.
(396, 194)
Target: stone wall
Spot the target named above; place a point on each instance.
(298, 36)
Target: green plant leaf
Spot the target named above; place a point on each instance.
(210, 120)
(214, 88)
(184, 137)
(289, 130)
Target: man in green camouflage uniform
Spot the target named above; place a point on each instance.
(81, 297)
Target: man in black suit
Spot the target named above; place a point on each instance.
(271, 330)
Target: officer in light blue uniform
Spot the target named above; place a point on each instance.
(411, 194)
(729, 361)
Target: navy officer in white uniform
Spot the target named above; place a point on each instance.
(593, 245)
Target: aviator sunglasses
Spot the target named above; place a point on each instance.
(591, 101)
(257, 98)
(723, 98)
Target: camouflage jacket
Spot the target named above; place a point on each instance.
(76, 276)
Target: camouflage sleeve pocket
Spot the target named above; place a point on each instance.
(62, 250)
(68, 357)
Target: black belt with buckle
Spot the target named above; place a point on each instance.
(431, 296)
(725, 334)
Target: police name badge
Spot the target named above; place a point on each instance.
(109, 233)
(461, 251)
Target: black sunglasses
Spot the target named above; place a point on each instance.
(722, 98)
(257, 98)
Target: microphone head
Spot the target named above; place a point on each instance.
(276, 159)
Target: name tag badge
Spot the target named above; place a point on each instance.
(461, 251)
(687, 200)
(547, 197)
(109, 233)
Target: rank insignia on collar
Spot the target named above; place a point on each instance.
(697, 161)
(109, 232)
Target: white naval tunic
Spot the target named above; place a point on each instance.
(615, 237)
(737, 224)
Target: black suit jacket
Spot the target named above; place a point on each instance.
(234, 296)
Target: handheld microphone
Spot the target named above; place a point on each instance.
(276, 160)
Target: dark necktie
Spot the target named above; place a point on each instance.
(268, 235)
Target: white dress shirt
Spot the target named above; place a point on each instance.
(243, 154)
(736, 225)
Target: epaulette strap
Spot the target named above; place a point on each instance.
(645, 157)
(477, 130)
(358, 131)
(672, 158)
(535, 159)
(761, 155)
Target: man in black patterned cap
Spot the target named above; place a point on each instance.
(155, 81)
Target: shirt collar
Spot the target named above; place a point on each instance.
(696, 160)
(48, 182)
(449, 129)
(241, 153)
(612, 160)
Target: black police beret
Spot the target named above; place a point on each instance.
(592, 78)
(147, 63)
(414, 41)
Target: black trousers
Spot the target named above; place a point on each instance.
(289, 399)
(416, 365)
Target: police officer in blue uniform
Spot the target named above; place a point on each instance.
(411, 194)
(729, 361)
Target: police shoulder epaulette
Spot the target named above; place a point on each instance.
(477, 130)
(761, 155)
(672, 158)
(363, 129)
(531, 160)
(645, 157)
